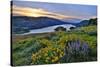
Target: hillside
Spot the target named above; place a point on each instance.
(24, 24)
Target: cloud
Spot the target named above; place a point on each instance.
(36, 12)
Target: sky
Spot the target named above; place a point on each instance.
(54, 10)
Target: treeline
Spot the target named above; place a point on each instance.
(92, 21)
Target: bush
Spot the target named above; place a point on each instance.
(60, 29)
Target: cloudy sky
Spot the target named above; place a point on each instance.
(54, 10)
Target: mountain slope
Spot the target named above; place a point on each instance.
(91, 21)
(23, 23)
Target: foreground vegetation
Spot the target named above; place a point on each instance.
(78, 45)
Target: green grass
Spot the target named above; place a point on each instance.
(49, 48)
(91, 28)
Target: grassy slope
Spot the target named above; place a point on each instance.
(49, 47)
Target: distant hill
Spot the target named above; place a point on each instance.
(72, 20)
(24, 23)
(92, 21)
(83, 23)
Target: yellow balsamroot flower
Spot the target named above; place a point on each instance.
(39, 56)
(46, 60)
(61, 55)
(45, 54)
(57, 50)
(34, 57)
(46, 42)
(49, 54)
(55, 59)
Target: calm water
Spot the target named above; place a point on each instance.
(48, 29)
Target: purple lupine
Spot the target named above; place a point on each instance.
(85, 48)
(76, 49)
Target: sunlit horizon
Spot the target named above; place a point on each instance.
(39, 9)
(37, 12)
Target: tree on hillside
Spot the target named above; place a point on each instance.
(93, 21)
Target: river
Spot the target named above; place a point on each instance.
(48, 29)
